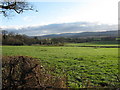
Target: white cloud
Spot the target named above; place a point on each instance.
(76, 27)
(82, 25)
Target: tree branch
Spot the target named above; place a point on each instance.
(17, 6)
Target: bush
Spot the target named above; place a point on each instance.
(27, 72)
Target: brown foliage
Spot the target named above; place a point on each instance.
(26, 72)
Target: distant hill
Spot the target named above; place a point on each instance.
(82, 35)
(69, 29)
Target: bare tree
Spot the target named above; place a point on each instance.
(18, 6)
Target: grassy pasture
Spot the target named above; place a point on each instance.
(84, 66)
(94, 43)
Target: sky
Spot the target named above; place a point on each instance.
(64, 11)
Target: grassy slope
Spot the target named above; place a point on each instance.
(97, 65)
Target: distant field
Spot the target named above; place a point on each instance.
(83, 65)
(95, 43)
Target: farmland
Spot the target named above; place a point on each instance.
(84, 66)
(94, 43)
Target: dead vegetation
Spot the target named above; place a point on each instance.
(27, 72)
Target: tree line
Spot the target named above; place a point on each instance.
(10, 38)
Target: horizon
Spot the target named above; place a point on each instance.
(76, 27)
(76, 32)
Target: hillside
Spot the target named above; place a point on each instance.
(82, 35)
(73, 27)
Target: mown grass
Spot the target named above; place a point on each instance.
(84, 66)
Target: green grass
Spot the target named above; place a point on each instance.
(97, 66)
(94, 43)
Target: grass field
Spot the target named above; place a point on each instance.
(94, 43)
(84, 66)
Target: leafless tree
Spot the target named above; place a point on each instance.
(18, 6)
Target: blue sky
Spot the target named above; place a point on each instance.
(98, 11)
(48, 12)
(103, 11)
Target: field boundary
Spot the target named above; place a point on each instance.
(97, 46)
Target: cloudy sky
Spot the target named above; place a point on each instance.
(64, 11)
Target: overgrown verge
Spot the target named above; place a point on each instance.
(27, 72)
